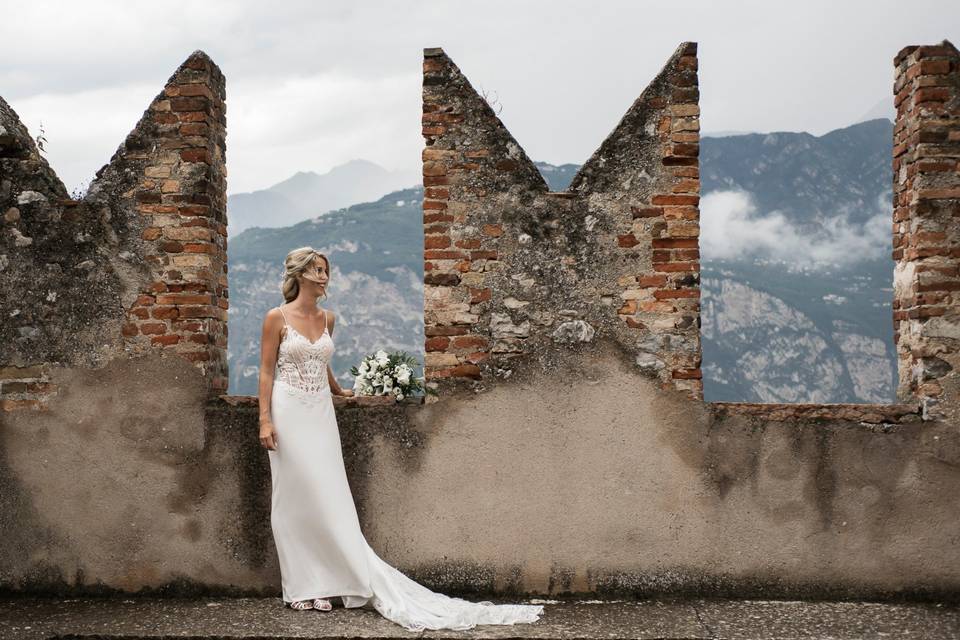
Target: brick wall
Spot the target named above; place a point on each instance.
(182, 199)
(137, 264)
(514, 272)
(926, 238)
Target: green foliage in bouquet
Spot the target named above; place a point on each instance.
(388, 374)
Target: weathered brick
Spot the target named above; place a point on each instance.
(445, 331)
(434, 169)
(470, 342)
(184, 298)
(686, 186)
(479, 295)
(627, 240)
(646, 212)
(157, 172)
(652, 281)
(200, 247)
(430, 218)
(685, 110)
(938, 94)
(436, 228)
(436, 242)
(467, 370)
(681, 213)
(152, 328)
(163, 313)
(676, 293)
(686, 267)
(437, 343)
(195, 155)
(670, 243)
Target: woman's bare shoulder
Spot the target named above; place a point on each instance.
(272, 316)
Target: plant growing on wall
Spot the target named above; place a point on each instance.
(41, 139)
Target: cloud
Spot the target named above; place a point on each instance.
(317, 122)
(564, 71)
(83, 129)
(731, 228)
(304, 123)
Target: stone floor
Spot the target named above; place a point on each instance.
(266, 618)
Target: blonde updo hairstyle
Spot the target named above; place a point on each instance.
(294, 266)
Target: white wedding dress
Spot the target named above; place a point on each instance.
(321, 549)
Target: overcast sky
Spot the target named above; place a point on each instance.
(313, 84)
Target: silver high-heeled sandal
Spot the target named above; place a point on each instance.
(301, 605)
(322, 604)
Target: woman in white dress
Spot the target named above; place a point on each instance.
(321, 548)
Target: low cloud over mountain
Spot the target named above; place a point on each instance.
(796, 266)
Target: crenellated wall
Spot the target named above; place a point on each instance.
(514, 270)
(138, 264)
(926, 239)
(569, 449)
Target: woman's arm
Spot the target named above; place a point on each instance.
(335, 387)
(269, 344)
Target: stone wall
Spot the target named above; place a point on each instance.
(137, 264)
(561, 456)
(926, 236)
(516, 273)
(611, 488)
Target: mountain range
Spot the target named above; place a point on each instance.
(375, 287)
(307, 194)
(796, 268)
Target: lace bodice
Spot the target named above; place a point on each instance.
(302, 364)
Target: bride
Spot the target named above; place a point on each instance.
(316, 530)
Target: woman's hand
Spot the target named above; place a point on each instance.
(268, 436)
(346, 393)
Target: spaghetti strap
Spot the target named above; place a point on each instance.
(326, 328)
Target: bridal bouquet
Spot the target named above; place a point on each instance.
(383, 374)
